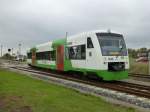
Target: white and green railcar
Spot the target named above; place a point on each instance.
(99, 53)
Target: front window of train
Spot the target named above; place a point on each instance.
(112, 44)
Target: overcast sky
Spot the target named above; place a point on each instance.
(32, 22)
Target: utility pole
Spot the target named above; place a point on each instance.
(12, 51)
(66, 34)
(19, 48)
(149, 63)
(1, 50)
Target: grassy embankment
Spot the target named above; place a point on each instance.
(19, 93)
(138, 67)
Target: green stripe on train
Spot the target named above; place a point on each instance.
(104, 74)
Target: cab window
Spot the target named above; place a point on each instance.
(89, 43)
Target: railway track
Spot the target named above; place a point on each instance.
(140, 76)
(125, 87)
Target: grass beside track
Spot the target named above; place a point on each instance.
(138, 67)
(19, 93)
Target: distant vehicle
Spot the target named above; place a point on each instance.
(20, 58)
(101, 54)
(142, 59)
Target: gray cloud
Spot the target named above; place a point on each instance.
(31, 22)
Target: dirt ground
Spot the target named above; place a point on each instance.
(7, 104)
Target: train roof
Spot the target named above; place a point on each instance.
(63, 40)
(48, 46)
(97, 31)
(103, 31)
(90, 33)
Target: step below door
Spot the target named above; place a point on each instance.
(60, 58)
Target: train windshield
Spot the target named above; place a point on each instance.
(112, 44)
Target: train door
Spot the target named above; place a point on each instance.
(33, 57)
(90, 58)
(60, 58)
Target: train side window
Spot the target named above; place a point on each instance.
(83, 52)
(89, 43)
(39, 56)
(53, 55)
(47, 55)
(71, 53)
(77, 52)
(29, 55)
(42, 55)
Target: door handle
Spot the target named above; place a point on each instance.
(90, 54)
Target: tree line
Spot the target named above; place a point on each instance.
(135, 53)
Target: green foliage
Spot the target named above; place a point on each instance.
(19, 93)
(134, 52)
(7, 56)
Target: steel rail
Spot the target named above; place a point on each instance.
(130, 88)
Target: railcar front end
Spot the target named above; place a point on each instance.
(114, 54)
